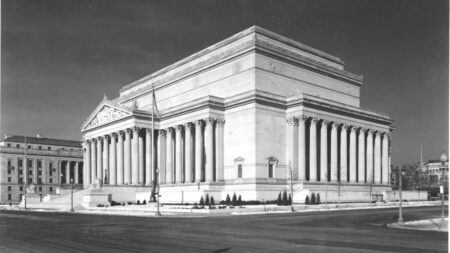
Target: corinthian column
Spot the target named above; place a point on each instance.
(148, 157)
(112, 160)
(161, 147)
(334, 153)
(209, 159)
(313, 150)
(135, 157)
(106, 158)
(353, 154)
(385, 159)
(292, 142)
(343, 165)
(77, 169)
(87, 164)
(301, 147)
(369, 159)
(120, 160)
(141, 159)
(323, 151)
(127, 157)
(219, 150)
(198, 150)
(377, 157)
(362, 156)
(189, 161)
(67, 172)
(169, 156)
(99, 158)
(93, 160)
(178, 154)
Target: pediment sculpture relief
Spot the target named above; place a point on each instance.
(105, 115)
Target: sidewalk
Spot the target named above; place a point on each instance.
(427, 225)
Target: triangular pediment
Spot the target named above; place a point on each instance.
(104, 113)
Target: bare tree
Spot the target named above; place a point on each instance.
(292, 175)
(340, 178)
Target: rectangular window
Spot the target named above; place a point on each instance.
(50, 180)
(40, 188)
(30, 172)
(17, 145)
(20, 196)
(40, 173)
(30, 163)
(49, 148)
(9, 171)
(40, 147)
(9, 197)
(9, 163)
(29, 146)
(9, 180)
(21, 188)
(270, 170)
(39, 181)
(20, 162)
(9, 188)
(30, 180)
(20, 172)
(20, 180)
(239, 170)
(39, 163)
(8, 144)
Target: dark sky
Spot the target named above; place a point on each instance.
(59, 57)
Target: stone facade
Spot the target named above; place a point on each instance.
(240, 116)
(51, 164)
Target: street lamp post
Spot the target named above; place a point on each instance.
(25, 195)
(71, 195)
(400, 210)
(444, 159)
(157, 194)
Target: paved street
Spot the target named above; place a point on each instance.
(343, 231)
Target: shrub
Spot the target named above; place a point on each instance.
(279, 199)
(285, 200)
(318, 199)
(228, 201)
(138, 202)
(202, 201)
(239, 201)
(212, 201)
(313, 199)
(234, 201)
(289, 199)
(307, 200)
(207, 200)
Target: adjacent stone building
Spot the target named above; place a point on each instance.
(51, 164)
(244, 115)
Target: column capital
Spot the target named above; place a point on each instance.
(370, 131)
(121, 133)
(100, 139)
(106, 137)
(129, 131)
(148, 130)
(136, 129)
(170, 130)
(188, 125)
(378, 133)
(314, 120)
(292, 121)
(220, 122)
(344, 127)
(179, 128)
(86, 142)
(353, 129)
(335, 125)
(93, 141)
(199, 123)
(113, 135)
(209, 121)
(325, 123)
(162, 132)
(362, 130)
(386, 135)
(301, 119)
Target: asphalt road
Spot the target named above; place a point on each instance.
(343, 231)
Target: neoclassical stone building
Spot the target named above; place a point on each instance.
(241, 116)
(51, 163)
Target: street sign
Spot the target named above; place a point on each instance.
(441, 189)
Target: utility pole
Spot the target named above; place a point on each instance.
(25, 173)
(400, 210)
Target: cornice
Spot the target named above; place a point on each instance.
(252, 42)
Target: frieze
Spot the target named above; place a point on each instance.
(105, 115)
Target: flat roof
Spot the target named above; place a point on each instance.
(43, 141)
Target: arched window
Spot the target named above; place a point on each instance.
(271, 165)
(239, 163)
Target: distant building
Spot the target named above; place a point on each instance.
(51, 163)
(436, 171)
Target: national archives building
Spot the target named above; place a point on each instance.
(245, 115)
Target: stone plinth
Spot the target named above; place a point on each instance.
(95, 198)
(32, 198)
